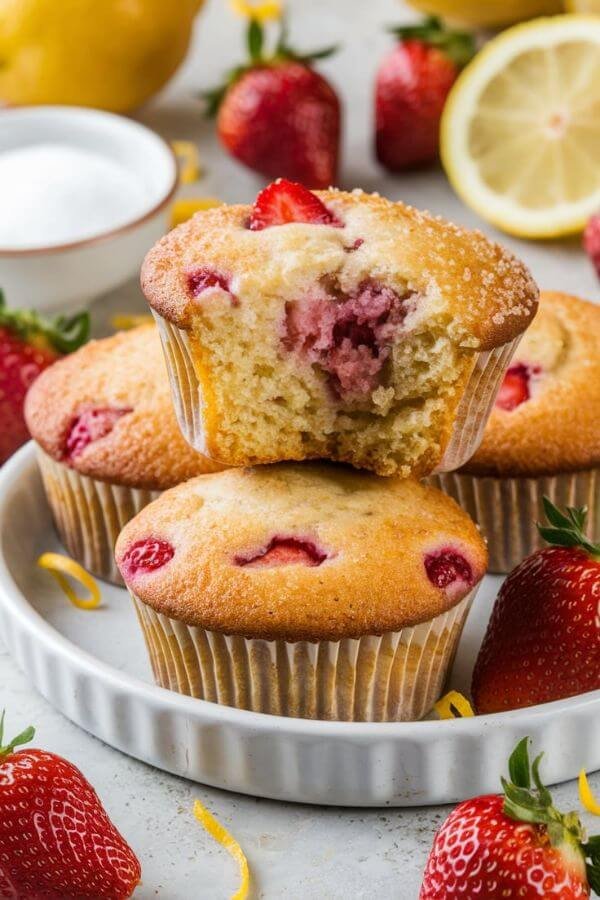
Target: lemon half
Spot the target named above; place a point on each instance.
(583, 6)
(486, 13)
(520, 134)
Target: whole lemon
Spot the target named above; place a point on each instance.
(487, 13)
(111, 54)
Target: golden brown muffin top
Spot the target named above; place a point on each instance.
(556, 427)
(488, 294)
(115, 391)
(301, 552)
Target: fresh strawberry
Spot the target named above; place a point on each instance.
(56, 840)
(411, 87)
(543, 639)
(278, 116)
(591, 241)
(29, 344)
(512, 845)
(286, 201)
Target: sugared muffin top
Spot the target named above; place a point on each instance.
(106, 411)
(487, 294)
(301, 552)
(546, 416)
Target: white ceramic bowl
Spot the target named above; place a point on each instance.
(63, 277)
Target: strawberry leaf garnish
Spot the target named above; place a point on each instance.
(567, 529)
(593, 877)
(20, 739)
(459, 46)
(63, 333)
(255, 41)
(527, 799)
(518, 764)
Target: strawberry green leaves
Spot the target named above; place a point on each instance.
(567, 530)
(24, 738)
(459, 46)
(63, 333)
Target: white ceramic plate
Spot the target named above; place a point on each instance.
(92, 666)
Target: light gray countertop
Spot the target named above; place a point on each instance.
(294, 851)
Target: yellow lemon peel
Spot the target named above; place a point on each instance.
(267, 11)
(184, 209)
(188, 158)
(59, 566)
(451, 701)
(223, 837)
(126, 321)
(585, 795)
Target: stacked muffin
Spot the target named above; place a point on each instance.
(330, 326)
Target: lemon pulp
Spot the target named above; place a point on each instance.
(521, 130)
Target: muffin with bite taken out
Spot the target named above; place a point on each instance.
(303, 590)
(542, 438)
(108, 441)
(335, 325)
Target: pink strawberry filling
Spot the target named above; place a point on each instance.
(283, 551)
(351, 338)
(357, 243)
(147, 555)
(448, 567)
(203, 278)
(516, 387)
(89, 426)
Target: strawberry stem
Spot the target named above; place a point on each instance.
(63, 333)
(20, 739)
(255, 40)
(459, 46)
(567, 529)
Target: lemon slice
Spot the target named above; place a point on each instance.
(520, 134)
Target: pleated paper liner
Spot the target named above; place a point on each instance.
(471, 416)
(507, 509)
(397, 676)
(89, 514)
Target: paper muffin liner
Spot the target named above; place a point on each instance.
(470, 420)
(507, 509)
(396, 676)
(476, 405)
(90, 514)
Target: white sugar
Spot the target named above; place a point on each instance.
(54, 193)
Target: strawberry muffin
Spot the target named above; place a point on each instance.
(303, 590)
(335, 325)
(542, 438)
(108, 441)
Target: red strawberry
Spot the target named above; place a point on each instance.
(278, 116)
(28, 344)
(283, 551)
(412, 84)
(515, 389)
(56, 841)
(286, 201)
(591, 241)
(543, 639)
(515, 845)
